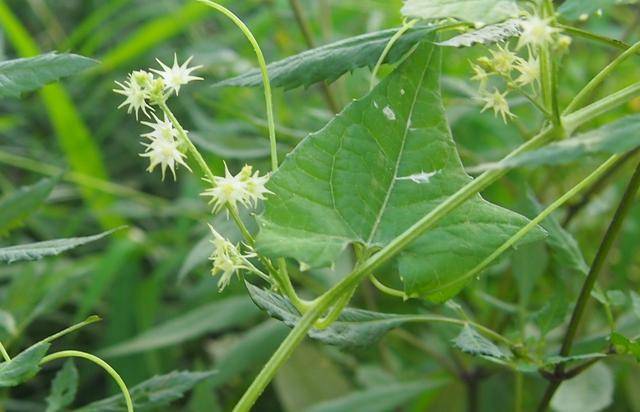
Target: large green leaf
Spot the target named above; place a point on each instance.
(17, 206)
(34, 251)
(328, 62)
(619, 136)
(381, 398)
(153, 393)
(209, 318)
(475, 11)
(63, 388)
(23, 75)
(378, 167)
(24, 366)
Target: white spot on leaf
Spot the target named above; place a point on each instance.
(389, 113)
(420, 178)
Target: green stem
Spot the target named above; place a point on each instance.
(386, 289)
(406, 26)
(593, 177)
(336, 310)
(579, 117)
(5, 354)
(600, 77)
(595, 37)
(596, 268)
(87, 321)
(263, 69)
(104, 365)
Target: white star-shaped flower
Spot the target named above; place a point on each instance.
(536, 32)
(255, 185)
(162, 129)
(164, 152)
(178, 75)
(136, 96)
(529, 71)
(228, 190)
(227, 259)
(498, 102)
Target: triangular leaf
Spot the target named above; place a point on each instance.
(17, 206)
(24, 366)
(329, 62)
(63, 388)
(474, 11)
(34, 251)
(153, 393)
(378, 167)
(23, 75)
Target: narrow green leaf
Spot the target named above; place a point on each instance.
(493, 33)
(381, 398)
(35, 251)
(353, 328)
(556, 359)
(27, 74)
(471, 342)
(213, 317)
(378, 167)
(620, 136)
(329, 62)
(591, 391)
(153, 393)
(474, 11)
(576, 9)
(24, 366)
(63, 388)
(15, 207)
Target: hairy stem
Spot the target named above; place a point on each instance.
(406, 26)
(104, 365)
(263, 70)
(596, 268)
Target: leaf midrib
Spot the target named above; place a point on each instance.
(408, 123)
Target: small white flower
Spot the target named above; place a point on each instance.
(178, 75)
(480, 75)
(498, 102)
(228, 190)
(502, 60)
(254, 185)
(227, 259)
(162, 129)
(536, 32)
(529, 71)
(136, 96)
(164, 152)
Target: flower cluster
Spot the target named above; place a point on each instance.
(227, 259)
(517, 72)
(245, 188)
(142, 91)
